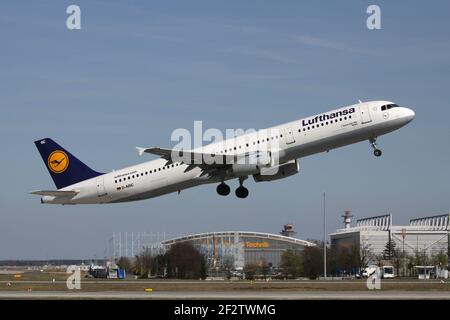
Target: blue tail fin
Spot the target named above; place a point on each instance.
(64, 168)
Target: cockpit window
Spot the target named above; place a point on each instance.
(388, 106)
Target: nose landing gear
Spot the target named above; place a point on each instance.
(373, 142)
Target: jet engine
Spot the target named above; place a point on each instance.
(251, 164)
(277, 172)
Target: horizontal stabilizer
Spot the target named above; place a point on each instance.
(55, 193)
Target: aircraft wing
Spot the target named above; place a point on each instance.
(55, 193)
(207, 162)
(196, 158)
(166, 153)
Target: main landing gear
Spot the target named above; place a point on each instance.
(223, 189)
(241, 192)
(373, 142)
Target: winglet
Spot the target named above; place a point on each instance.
(140, 150)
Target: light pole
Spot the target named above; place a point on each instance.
(403, 255)
(324, 241)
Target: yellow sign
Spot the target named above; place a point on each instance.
(58, 161)
(264, 244)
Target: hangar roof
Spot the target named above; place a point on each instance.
(259, 235)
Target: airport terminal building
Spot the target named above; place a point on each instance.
(243, 247)
(428, 235)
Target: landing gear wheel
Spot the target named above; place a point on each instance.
(373, 143)
(223, 189)
(377, 152)
(242, 192)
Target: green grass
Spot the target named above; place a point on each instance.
(88, 285)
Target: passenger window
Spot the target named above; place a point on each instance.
(383, 108)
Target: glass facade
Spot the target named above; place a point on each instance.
(240, 248)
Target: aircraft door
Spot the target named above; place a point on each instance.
(365, 114)
(289, 134)
(101, 191)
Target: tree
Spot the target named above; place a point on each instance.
(347, 259)
(160, 264)
(420, 258)
(397, 260)
(251, 270)
(366, 255)
(124, 263)
(203, 268)
(389, 248)
(312, 262)
(142, 263)
(186, 262)
(228, 265)
(440, 259)
(264, 267)
(291, 264)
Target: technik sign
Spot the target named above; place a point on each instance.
(257, 245)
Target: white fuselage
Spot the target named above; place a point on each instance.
(295, 140)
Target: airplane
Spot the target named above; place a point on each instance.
(267, 155)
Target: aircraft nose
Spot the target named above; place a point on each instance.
(409, 114)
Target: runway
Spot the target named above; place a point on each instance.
(233, 295)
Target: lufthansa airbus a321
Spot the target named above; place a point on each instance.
(267, 155)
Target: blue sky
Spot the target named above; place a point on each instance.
(136, 71)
